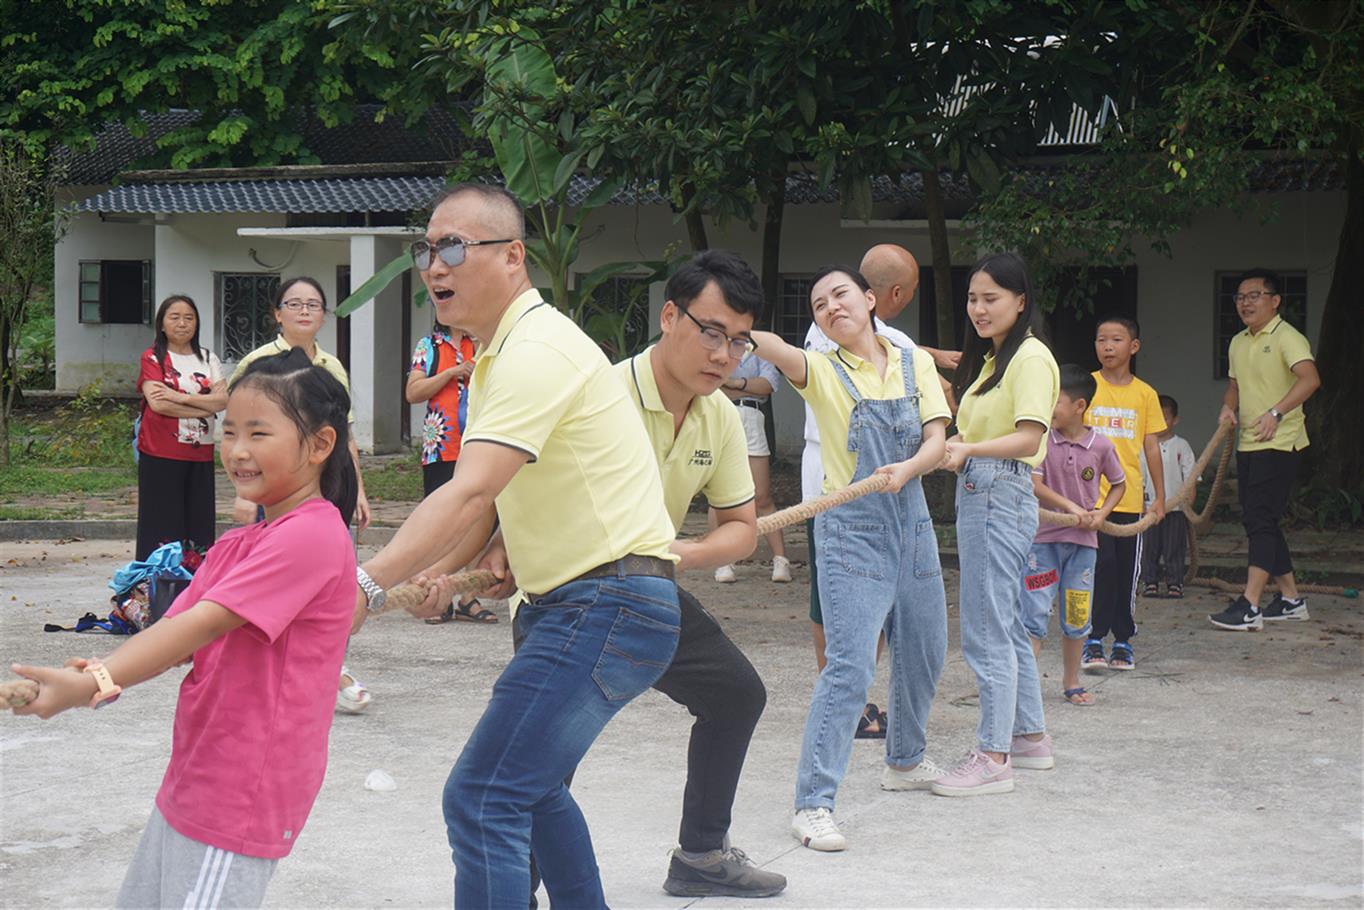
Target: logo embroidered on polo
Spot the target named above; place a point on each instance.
(701, 458)
(1087, 474)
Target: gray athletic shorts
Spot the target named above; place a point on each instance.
(170, 870)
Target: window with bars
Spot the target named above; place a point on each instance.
(1292, 307)
(245, 311)
(115, 291)
(621, 314)
(793, 309)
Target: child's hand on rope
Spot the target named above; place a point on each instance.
(59, 689)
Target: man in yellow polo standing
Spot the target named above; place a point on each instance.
(1271, 374)
(556, 446)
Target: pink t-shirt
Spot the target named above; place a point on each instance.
(250, 744)
(1073, 470)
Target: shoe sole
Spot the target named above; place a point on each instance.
(1255, 626)
(1122, 668)
(781, 581)
(998, 786)
(808, 842)
(1094, 668)
(1026, 763)
(897, 785)
(1287, 617)
(679, 888)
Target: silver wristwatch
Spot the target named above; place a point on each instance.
(1276, 413)
(374, 595)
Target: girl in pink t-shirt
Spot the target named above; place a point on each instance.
(266, 640)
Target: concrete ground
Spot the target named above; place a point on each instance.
(1225, 771)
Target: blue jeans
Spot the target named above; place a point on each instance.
(1059, 569)
(996, 522)
(591, 646)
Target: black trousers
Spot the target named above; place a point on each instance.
(174, 502)
(434, 475)
(711, 678)
(1165, 550)
(1263, 481)
(1115, 582)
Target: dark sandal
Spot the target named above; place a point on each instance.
(872, 715)
(467, 613)
(1079, 692)
(445, 617)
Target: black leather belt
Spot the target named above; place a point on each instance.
(633, 564)
(749, 403)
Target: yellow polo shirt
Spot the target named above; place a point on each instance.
(1028, 391)
(833, 406)
(591, 493)
(321, 358)
(1126, 414)
(1262, 366)
(708, 454)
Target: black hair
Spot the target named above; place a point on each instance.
(491, 194)
(1168, 401)
(162, 345)
(1271, 279)
(288, 283)
(825, 271)
(1077, 382)
(1127, 322)
(1009, 272)
(312, 398)
(738, 284)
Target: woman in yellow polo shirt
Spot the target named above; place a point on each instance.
(1007, 383)
(880, 409)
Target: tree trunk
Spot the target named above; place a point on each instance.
(942, 261)
(774, 208)
(1336, 455)
(695, 218)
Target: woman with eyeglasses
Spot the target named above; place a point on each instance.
(182, 390)
(300, 312)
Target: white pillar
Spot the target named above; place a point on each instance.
(375, 360)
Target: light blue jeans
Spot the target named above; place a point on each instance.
(591, 646)
(1064, 571)
(996, 522)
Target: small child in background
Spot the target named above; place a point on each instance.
(1167, 543)
(265, 621)
(1062, 559)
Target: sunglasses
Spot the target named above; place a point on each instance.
(451, 250)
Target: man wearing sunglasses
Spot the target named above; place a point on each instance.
(555, 445)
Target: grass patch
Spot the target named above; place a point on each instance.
(31, 480)
(396, 481)
(37, 513)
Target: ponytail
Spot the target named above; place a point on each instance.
(312, 399)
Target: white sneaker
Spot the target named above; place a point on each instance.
(351, 695)
(781, 569)
(725, 575)
(920, 777)
(815, 829)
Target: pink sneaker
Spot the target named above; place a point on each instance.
(978, 775)
(1032, 756)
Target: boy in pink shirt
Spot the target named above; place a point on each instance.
(1062, 558)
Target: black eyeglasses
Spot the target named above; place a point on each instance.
(1253, 296)
(712, 339)
(449, 249)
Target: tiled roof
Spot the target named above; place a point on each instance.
(362, 141)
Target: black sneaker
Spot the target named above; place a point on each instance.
(1241, 616)
(720, 872)
(1281, 609)
(1092, 658)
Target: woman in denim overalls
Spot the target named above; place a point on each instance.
(878, 555)
(1007, 384)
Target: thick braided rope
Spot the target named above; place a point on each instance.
(1201, 522)
(1184, 497)
(802, 511)
(17, 692)
(402, 597)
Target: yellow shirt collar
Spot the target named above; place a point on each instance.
(642, 375)
(515, 310)
(854, 362)
(1270, 326)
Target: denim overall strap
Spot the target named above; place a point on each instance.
(878, 570)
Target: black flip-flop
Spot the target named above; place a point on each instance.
(872, 715)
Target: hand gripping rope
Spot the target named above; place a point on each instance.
(19, 692)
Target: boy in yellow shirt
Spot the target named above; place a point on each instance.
(1127, 411)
